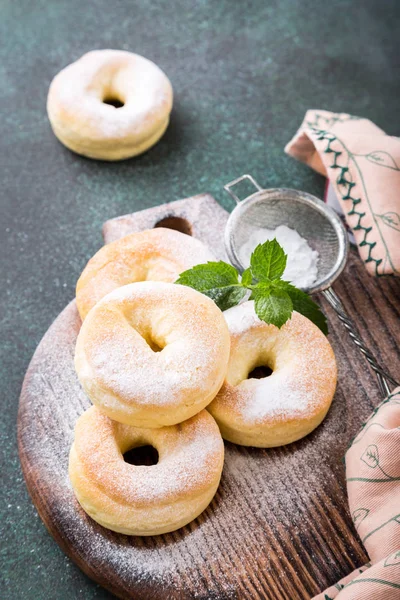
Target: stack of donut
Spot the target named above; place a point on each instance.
(152, 356)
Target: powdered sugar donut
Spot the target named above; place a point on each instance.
(155, 255)
(145, 500)
(82, 117)
(152, 354)
(293, 400)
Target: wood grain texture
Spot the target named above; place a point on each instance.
(278, 527)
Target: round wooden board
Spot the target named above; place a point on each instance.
(278, 527)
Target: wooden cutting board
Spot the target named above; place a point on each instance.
(278, 527)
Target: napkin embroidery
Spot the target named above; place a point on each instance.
(326, 151)
(345, 187)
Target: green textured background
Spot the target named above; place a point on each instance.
(243, 73)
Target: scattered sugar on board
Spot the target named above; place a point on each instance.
(301, 267)
(260, 488)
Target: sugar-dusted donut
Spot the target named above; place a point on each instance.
(155, 255)
(145, 500)
(152, 354)
(82, 117)
(293, 400)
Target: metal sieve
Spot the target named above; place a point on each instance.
(314, 221)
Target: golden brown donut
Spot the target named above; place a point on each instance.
(152, 354)
(293, 400)
(152, 255)
(84, 121)
(145, 500)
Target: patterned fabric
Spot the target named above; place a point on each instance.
(373, 486)
(363, 165)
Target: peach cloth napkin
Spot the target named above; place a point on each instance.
(373, 487)
(363, 165)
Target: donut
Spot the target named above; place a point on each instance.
(152, 354)
(145, 500)
(81, 113)
(155, 254)
(293, 400)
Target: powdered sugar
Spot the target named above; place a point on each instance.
(80, 88)
(301, 267)
(303, 366)
(190, 461)
(120, 371)
(277, 396)
(240, 321)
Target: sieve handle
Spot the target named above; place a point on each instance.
(228, 187)
(383, 377)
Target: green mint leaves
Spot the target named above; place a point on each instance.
(303, 304)
(268, 261)
(274, 298)
(217, 280)
(272, 305)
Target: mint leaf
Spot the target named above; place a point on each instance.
(303, 304)
(268, 261)
(226, 297)
(272, 306)
(217, 280)
(209, 275)
(263, 287)
(247, 277)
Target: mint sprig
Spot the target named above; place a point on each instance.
(274, 298)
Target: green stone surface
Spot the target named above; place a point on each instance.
(244, 73)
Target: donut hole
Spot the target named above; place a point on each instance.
(260, 372)
(250, 362)
(176, 223)
(156, 347)
(153, 338)
(113, 101)
(155, 344)
(145, 455)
